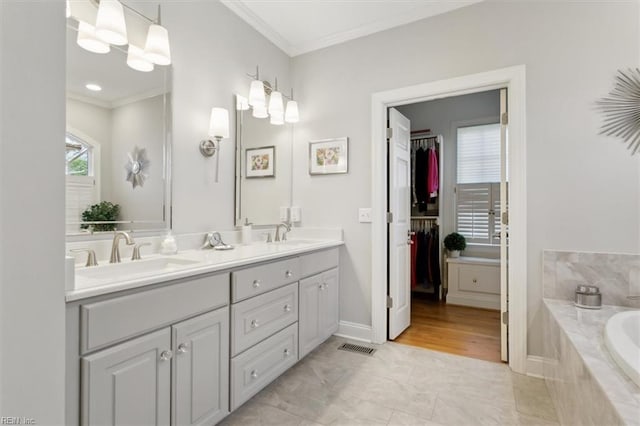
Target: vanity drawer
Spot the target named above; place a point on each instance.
(257, 318)
(254, 369)
(107, 322)
(250, 282)
(479, 278)
(311, 264)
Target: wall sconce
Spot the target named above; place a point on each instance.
(218, 129)
(274, 108)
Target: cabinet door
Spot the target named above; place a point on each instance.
(129, 384)
(309, 335)
(201, 347)
(329, 303)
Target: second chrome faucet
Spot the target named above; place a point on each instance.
(115, 246)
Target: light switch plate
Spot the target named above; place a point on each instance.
(284, 214)
(296, 214)
(364, 215)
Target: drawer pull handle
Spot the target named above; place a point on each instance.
(255, 324)
(183, 348)
(287, 353)
(288, 274)
(166, 355)
(254, 374)
(475, 281)
(256, 283)
(321, 286)
(287, 308)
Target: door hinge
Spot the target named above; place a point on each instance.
(389, 217)
(505, 118)
(389, 132)
(389, 302)
(505, 317)
(505, 218)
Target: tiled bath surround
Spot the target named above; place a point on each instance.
(587, 387)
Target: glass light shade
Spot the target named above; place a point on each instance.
(256, 94)
(219, 123)
(277, 119)
(260, 112)
(242, 103)
(110, 25)
(87, 39)
(137, 60)
(276, 106)
(157, 49)
(291, 115)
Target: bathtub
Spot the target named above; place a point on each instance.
(622, 339)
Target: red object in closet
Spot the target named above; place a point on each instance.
(414, 254)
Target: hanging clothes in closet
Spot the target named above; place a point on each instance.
(425, 174)
(425, 257)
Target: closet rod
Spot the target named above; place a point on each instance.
(438, 138)
(425, 217)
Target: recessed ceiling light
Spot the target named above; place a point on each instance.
(93, 87)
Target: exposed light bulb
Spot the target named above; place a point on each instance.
(292, 115)
(219, 123)
(137, 60)
(260, 112)
(275, 104)
(87, 39)
(256, 95)
(110, 24)
(156, 48)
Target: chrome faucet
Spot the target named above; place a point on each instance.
(287, 228)
(115, 248)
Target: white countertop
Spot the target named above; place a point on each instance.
(199, 262)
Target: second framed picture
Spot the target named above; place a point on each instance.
(260, 162)
(329, 156)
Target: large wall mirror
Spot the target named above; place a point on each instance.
(118, 148)
(263, 169)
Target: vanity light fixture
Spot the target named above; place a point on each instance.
(258, 93)
(156, 48)
(276, 106)
(278, 120)
(137, 60)
(291, 115)
(260, 112)
(242, 103)
(110, 25)
(87, 39)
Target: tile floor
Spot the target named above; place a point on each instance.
(398, 385)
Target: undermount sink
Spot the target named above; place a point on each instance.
(134, 268)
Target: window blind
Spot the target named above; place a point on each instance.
(478, 157)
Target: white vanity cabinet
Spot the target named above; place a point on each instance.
(158, 356)
(474, 281)
(318, 309)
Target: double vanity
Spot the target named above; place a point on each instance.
(186, 339)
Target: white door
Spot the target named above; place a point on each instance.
(504, 229)
(399, 238)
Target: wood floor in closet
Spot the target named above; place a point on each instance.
(459, 330)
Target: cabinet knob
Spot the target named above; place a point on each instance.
(287, 352)
(475, 281)
(287, 308)
(254, 374)
(288, 274)
(166, 355)
(183, 348)
(320, 286)
(256, 283)
(254, 323)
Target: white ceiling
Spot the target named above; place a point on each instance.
(302, 26)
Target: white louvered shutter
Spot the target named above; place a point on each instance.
(473, 206)
(80, 194)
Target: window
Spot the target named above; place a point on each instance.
(81, 189)
(478, 188)
(78, 156)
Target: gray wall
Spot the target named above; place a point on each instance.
(442, 116)
(32, 127)
(582, 189)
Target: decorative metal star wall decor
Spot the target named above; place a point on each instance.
(621, 109)
(137, 167)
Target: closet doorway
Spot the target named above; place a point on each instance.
(447, 173)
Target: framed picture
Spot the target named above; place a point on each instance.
(329, 156)
(260, 162)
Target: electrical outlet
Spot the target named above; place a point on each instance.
(364, 215)
(284, 214)
(296, 214)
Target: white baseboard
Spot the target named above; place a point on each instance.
(355, 331)
(535, 366)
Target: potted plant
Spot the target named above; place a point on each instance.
(455, 243)
(101, 212)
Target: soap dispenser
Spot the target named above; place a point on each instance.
(247, 237)
(169, 245)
